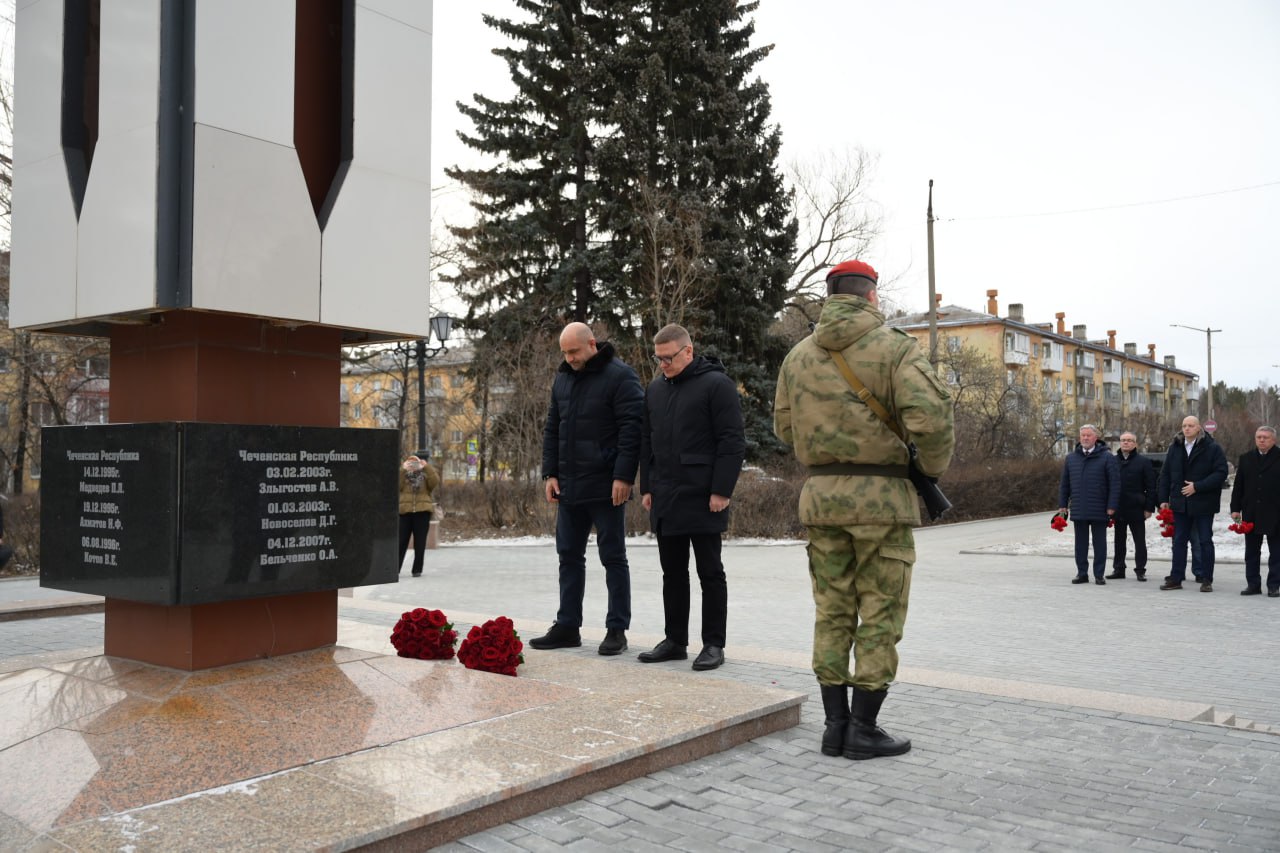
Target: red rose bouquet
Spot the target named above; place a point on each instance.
(492, 647)
(1058, 522)
(1241, 527)
(1165, 517)
(424, 634)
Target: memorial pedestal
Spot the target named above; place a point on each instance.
(216, 535)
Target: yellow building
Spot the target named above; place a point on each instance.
(380, 389)
(1083, 379)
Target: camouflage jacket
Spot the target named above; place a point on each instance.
(817, 413)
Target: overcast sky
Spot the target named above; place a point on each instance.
(1117, 160)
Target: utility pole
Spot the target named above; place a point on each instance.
(933, 298)
(1208, 337)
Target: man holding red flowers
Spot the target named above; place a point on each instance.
(1191, 481)
(1255, 498)
(1137, 503)
(1090, 485)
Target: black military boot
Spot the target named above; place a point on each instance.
(864, 739)
(835, 701)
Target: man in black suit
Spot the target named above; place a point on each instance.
(1255, 498)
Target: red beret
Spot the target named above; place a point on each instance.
(853, 268)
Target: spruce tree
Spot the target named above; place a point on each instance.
(637, 185)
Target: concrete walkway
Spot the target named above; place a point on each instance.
(1044, 716)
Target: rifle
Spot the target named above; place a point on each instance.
(935, 502)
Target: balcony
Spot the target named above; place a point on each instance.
(1156, 380)
(1111, 373)
(1016, 357)
(1051, 363)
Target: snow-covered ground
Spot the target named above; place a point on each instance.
(1228, 546)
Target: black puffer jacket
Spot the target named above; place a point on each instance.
(592, 433)
(1206, 466)
(691, 448)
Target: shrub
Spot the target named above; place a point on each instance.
(22, 533)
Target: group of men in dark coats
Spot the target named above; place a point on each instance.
(1122, 490)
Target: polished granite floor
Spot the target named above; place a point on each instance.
(340, 747)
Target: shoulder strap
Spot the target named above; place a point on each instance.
(865, 395)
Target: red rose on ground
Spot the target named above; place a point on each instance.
(436, 619)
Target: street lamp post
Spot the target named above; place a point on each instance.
(441, 325)
(1208, 338)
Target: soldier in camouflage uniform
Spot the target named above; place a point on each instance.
(857, 504)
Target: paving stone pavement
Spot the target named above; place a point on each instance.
(990, 769)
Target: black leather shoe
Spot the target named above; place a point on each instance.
(1142, 575)
(557, 637)
(1118, 574)
(1206, 587)
(615, 642)
(1171, 585)
(666, 650)
(1080, 579)
(709, 658)
(1273, 593)
(1100, 582)
(1252, 590)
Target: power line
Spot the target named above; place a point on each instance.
(1108, 207)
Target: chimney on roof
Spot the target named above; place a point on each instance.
(1015, 312)
(937, 298)
(992, 308)
(1169, 362)
(1151, 351)
(1111, 338)
(1079, 332)
(1062, 327)
(1131, 349)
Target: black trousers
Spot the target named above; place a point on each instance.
(673, 552)
(1253, 560)
(1135, 526)
(416, 525)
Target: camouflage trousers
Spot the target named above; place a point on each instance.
(861, 578)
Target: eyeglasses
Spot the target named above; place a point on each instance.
(666, 359)
(1130, 440)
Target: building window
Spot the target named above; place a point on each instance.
(436, 383)
(457, 436)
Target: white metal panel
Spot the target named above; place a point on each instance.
(415, 13)
(117, 247)
(255, 241)
(129, 85)
(244, 67)
(43, 271)
(377, 255)
(392, 129)
(38, 81)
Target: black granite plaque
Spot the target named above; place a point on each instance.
(193, 513)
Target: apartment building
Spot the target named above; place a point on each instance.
(380, 389)
(1086, 378)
